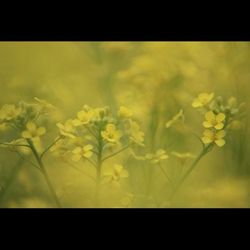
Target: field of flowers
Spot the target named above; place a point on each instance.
(124, 124)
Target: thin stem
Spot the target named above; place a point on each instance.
(98, 170)
(204, 151)
(81, 171)
(15, 145)
(91, 132)
(32, 163)
(10, 180)
(165, 173)
(50, 146)
(117, 152)
(91, 162)
(44, 172)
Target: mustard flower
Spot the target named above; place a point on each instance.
(116, 173)
(136, 135)
(67, 129)
(44, 105)
(83, 117)
(202, 100)
(9, 112)
(211, 136)
(32, 131)
(111, 134)
(82, 152)
(214, 121)
(157, 157)
(125, 112)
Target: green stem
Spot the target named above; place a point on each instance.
(204, 151)
(44, 172)
(10, 180)
(50, 146)
(98, 171)
(117, 152)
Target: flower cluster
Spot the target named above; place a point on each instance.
(95, 134)
(218, 116)
(24, 118)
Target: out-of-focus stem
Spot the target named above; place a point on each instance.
(204, 151)
(98, 171)
(44, 172)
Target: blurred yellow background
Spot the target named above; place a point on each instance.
(155, 80)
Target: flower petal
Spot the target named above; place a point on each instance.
(88, 147)
(31, 126)
(207, 124)
(26, 134)
(219, 126)
(88, 154)
(220, 117)
(220, 142)
(206, 140)
(41, 131)
(76, 157)
(77, 150)
(118, 167)
(196, 103)
(220, 134)
(208, 133)
(210, 116)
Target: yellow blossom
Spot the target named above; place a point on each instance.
(158, 156)
(214, 121)
(136, 135)
(32, 131)
(44, 104)
(111, 134)
(125, 112)
(82, 152)
(83, 117)
(210, 136)
(202, 100)
(116, 173)
(67, 129)
(9, 112)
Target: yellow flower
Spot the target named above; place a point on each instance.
(116, 173)
(111, 134)
(9, 112)
(136, 135)
(44, 105)
(14, 145)
(202, 100)
(67, 129)
(178, 117)
(125, 112)
(82, 152)
(158, 156)
(214, 121)
(32, 131)
(210, 136)
(83, 117)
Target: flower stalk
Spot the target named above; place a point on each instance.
(44, 172)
